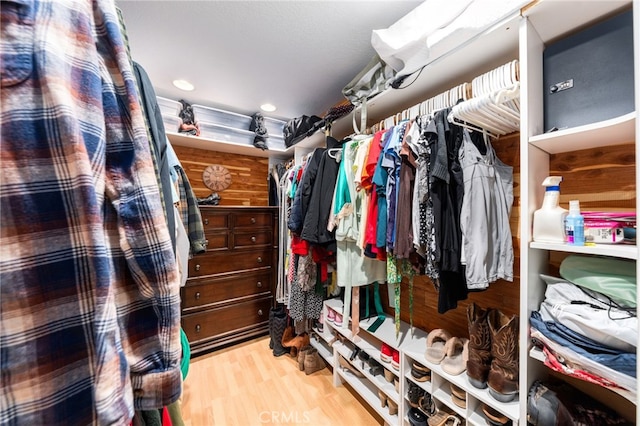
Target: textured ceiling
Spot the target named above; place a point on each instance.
(297, 55)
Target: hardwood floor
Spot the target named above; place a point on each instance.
(246, 385)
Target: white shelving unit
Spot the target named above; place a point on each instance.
(543, 23)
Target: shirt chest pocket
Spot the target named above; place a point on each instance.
(16, 40)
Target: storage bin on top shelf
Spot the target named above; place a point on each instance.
(168, 107)
(220, 133)
(235, 120)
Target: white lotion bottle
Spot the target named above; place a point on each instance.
(549, 220)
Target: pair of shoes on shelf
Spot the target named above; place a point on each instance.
(347, 366)
(386, 401)
(389, 354)
(444, 417)
(416, 417)
(414, 394)
(494, 417)
(458, 396)
(493, 352)
(428, 405)
(419, 372)
(451, 352)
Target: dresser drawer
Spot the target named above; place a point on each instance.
(217, 263)
(253, 220)
(215, 322)
(212, 220)
(217, 240)
(243, 239)
(217, 290)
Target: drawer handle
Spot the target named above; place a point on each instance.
(253, 239)
(259, 284)
(206, 221)
(259, 259)
(260, 312)
(197, 267)
(197, 328)
(253, 220)
(198, 296)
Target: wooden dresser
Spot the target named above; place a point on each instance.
(230, 287)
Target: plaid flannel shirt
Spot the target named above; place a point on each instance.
(89, 293)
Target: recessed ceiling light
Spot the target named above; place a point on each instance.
(183, 85)
(268, 107)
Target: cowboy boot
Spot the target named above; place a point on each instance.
(479, 361)
(504, 371)
(287, 340)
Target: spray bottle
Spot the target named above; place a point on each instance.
(549, 220)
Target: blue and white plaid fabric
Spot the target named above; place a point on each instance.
(89, 293)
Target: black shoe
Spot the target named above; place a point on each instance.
(416, 417)
(415, 394)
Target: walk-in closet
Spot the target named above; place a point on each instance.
(403, 213)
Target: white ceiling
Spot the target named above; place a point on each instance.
(297, 55)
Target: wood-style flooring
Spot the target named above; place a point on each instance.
(246, 385)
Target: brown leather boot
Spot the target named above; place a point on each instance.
(298, 342)
(301, 353)
(313, 361)
(479, 361)
(503, 374)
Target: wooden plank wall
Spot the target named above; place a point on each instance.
(601, 178)
(249, 184)
(502, 294)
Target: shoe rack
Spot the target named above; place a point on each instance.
(337, 344)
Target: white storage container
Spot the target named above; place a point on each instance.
(171, 123)
(221, 117)
(274, 127)
(169, 106)
(221, 133)
(275, 142)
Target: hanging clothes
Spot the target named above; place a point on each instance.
(353, 268)
(447, 188)
(300, 206)
(90, 295)
(484, 221)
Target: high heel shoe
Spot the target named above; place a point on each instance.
(386, 401)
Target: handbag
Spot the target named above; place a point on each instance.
(299, 128)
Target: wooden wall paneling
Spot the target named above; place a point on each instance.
(601, 178)
(249, 185)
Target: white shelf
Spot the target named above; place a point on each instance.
(415, 351)
(370, 394)
(325, 334)
(616, 131)
(625, 251)
(182, 139)
(445, 398)
(476, 419)
(379, 381)
(324, 352)
(537, 354)
(426, 386)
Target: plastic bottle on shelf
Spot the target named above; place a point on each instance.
(549, 220)
(575, 224)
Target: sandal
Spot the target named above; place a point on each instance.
(456, 356)
(458, 396)
(436, 341)
(444, 417)
(420, 373)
